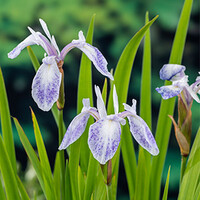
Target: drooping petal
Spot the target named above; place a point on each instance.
(172, 72)
(46, 84)
(17, 50)
(142, 134)
(103, 139)
(192, 93)
(75, 129)
(115, 100)
(91, 52)
(100, 103)
(169, 91)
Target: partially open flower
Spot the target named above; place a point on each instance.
(46, 83)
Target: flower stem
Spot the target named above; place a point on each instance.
(61, 154)
(183, 166)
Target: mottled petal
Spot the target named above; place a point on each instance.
(115, 100)
(103, 139)
(17, 50)
(75, 130)
(169, 91)
(46, 84)
(93, 54)
(100, 103)
(142, 134)
(193, 94)
(172, 72)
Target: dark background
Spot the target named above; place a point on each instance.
(115, 23)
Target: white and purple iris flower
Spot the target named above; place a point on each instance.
(46, 83)
(176, 74)
(105, 134)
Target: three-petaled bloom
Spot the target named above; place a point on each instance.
(104, 134)
(46, 83)
(175, 73)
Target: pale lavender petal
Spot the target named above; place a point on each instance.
(193, 94)
(100, 103)
(17, 50)
(142, 134)
(115, 100)
(103, 139)
(75, 130)
(172, 72)
(46, 84)
(169, 91)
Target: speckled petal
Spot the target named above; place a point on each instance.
(103, 139)
(46, 84)
(142, 134)
(169, 91)
(93, 54)
(75, 129)
(172, 72)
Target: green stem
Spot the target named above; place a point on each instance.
(61, 154)
(109, 192)
(183, 166)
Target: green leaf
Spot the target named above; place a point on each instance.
(192, 172)
(2, 193)
(121, 80)
(84, 91)
(8, 173)
(67, 182)
(6, 124)
(57, 175)
(166, 186)
(33, 58)
(144, 158)
(81, 182)
(31, 154)
(22, 190)
(44, 161)
(167, 106)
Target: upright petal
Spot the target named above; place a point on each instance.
(100, 103)
(169, 91)
(75, 129)
(46, 84)
(103, 139)
(142, 134)
(172, 72)
(115, 100)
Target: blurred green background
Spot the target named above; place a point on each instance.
(116, 22)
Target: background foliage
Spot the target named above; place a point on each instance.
(116, 21)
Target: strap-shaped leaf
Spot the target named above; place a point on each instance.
(167, 106)
(8, 174)
(165, 194)
(6, 123)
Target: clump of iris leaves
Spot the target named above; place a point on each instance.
(81, 176)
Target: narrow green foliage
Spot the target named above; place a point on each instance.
(91, 177)
(122, 78)
(105, 91)
(31, 154)
(2, 193)
(44, 161)
(85, 91)
(33, 58)
(167, 106)
(81, 182)
(68, 190)
(166, 186)
(8, 174)
(22, 190)
(144, 158)
(191, 177)
(57, 175)
(6, 123)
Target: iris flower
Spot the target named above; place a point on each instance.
(176, 74)
(46, 83)
(105, 134)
